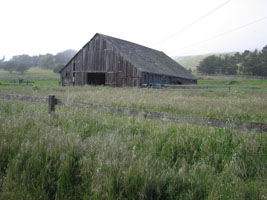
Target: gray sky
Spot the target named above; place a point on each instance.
(48, 26)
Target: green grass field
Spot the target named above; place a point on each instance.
(86, 154)
(40, 77)
(232, 81)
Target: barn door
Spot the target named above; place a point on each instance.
(118, 79)
(110, 79)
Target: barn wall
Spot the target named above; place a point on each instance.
(148, 78)
(66, 75)
(99, 56)
(72, 74)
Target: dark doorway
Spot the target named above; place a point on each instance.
(96, 78)
(179, 82)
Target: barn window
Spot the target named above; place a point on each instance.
(73, 66)
(73, 74)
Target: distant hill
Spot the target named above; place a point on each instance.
(190, 62)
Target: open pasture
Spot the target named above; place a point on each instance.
(39, 76)
(86, 154)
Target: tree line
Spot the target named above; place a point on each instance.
(21, 63)
(247, 63)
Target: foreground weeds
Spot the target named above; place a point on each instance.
(82, 154)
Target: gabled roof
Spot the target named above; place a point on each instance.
(146, 59)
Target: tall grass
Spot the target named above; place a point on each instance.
(236, 106)
(82, 154)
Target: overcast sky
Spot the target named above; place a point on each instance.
(49, 26)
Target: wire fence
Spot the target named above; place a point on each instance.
(211, 88)
(195, 120)
(20, 82)
(231, 76)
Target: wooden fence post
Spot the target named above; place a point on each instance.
(51, 103)
(20, 81)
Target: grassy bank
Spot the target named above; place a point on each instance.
(82, 154)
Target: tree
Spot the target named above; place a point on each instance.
(263, 58)
(26, 59)
(209, 65)
(22, 67)
(2, 61)
(50, 61)
(64, 56)
(189, 70)
(9, 66)
(58, 68)
(229, 65)
(252, 64)
(46, 61)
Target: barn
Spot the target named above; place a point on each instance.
(106, 60)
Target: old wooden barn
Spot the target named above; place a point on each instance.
(106, 60)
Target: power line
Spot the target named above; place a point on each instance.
(222, 34)
(196, 21)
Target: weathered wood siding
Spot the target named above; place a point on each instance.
(148, 78)
(99, 56)
(66, 75)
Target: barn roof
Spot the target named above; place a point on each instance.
(147, 59)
